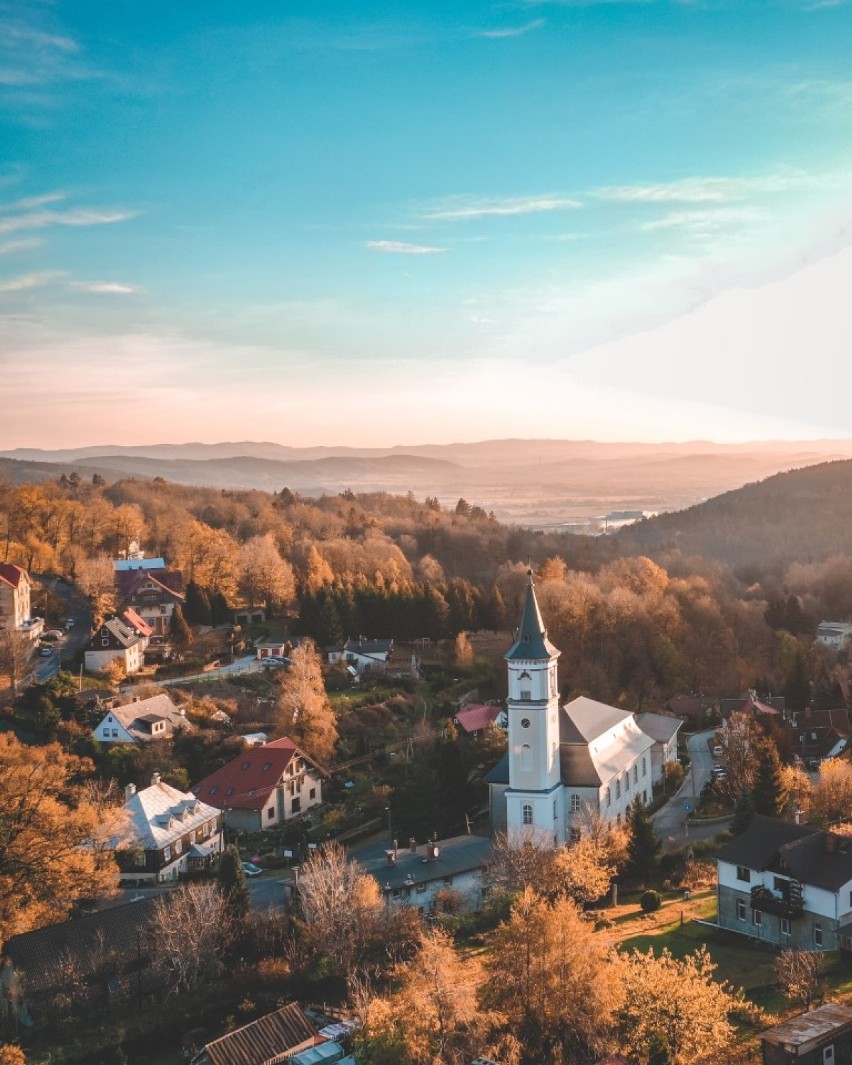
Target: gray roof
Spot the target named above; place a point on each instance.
(759, 845)
(531, 642)
(659, 727)
(460, 854)
(584, 720)
(577, 767)
(813, 1027)
(500, 773)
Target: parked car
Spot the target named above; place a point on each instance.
(52, 635)
(45, 652)
(69, 623)
(250, 869)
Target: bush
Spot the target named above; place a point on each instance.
(650, 901)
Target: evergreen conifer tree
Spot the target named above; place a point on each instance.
(232, 884)
(643, 847)
(197, 609)
(769, 794)
(743, 813)
(179, 630)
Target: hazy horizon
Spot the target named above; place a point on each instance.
(550, 219)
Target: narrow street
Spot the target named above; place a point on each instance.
(670, 820)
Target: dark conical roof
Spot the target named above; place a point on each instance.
(531, 641)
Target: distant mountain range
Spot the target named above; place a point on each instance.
(530, 482)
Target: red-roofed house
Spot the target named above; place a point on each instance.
(475, 717)
(14, 597)
(263, 786)
(152, 594)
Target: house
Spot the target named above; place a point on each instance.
(139, 625)
(142, 721)
(15, 594)
(786, 884)
(273, 1038)
(818, 734)
(93, 958)
(115, 641)
(169, 832)
(363, 655)
(663, 731)
(429, 876)
(152, 593)
(476, 717)
(821, 1037)
(249, 615)
(562, 762)
(274, 647)
(263, 786)
(834, 634)
(773, 706)
(695, 708)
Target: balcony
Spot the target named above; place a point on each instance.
(787, 904)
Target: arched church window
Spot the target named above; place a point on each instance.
(618, 789)
(555, 815)
(636, 774)
(627, 782)
(644, 766)
(525, 675)
(609, 796)
(526, 757)
(527, 814)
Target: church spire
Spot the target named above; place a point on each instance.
(531, 642)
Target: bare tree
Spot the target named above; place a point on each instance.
(192, 932)
(96, 580)
(801, 976)
(16, 650)
(303, 710)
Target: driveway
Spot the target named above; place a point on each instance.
(249, 664)
(670, 820)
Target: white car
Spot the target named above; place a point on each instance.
(250, 869)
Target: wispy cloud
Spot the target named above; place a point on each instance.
(461, 208)
(708, 221)
(104, 288)
(27, 281)
(80, 216)
(703, 189)
(29, 203)
(10, 247)
(398, 247)
(512, 31)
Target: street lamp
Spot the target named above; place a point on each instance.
(390, 828)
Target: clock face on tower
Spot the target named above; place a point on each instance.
(525, 722)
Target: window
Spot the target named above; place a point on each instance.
(420, 889)
(526, 757)
(527, 814)
(105, 642)
(828, 1055)
(644, 766)
(115, 733)
(448, 881)
(555, 815)
(609, 800)
(757, 917)
(297, 805)
(575, 803)
(627, 782)
(230, 791)
(525, 694)
(266, 765)
(618, 789)
(817, 934)
(744, 873)
(178, 846)
(741, 910)
(245, 765)
(636, 774)
(167, 854)
(313, 793)
(785, 926)
(270, 813)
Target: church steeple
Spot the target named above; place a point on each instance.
(531, 642)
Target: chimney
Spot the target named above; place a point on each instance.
(155, 779)
(432, 851)
(395, 849)
(390, 855)
(129, 791)
(412, 845)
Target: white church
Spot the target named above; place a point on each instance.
(562, 760)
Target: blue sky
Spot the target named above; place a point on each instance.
(383, 223)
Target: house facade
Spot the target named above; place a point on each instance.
(152, 593)
(169, 832)
(142, 721)
(562, 762)
(115, 641)
(786, 884)
(15, 594)
(263, 786)
(663, 731)
(362, 655)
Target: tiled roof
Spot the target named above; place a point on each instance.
(130, 581)
(460, 854)
(758, 846)
(532, 642)
(136, 622)
(658, 726)
(368, 647)
(10, 574)
(814, 1027)
(246, 782)
(265, 1040)
(476, 716)
(123, 635)
(132, 716)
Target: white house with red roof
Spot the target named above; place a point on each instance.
(152, 593)
(263, 786)
(14, 597)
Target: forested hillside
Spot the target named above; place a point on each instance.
(729, 603)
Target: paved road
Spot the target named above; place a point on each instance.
(670, 820)
(266, 892)
(249, 664)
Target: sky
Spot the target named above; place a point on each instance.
(401, 223)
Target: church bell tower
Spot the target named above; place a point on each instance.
(534, 799)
